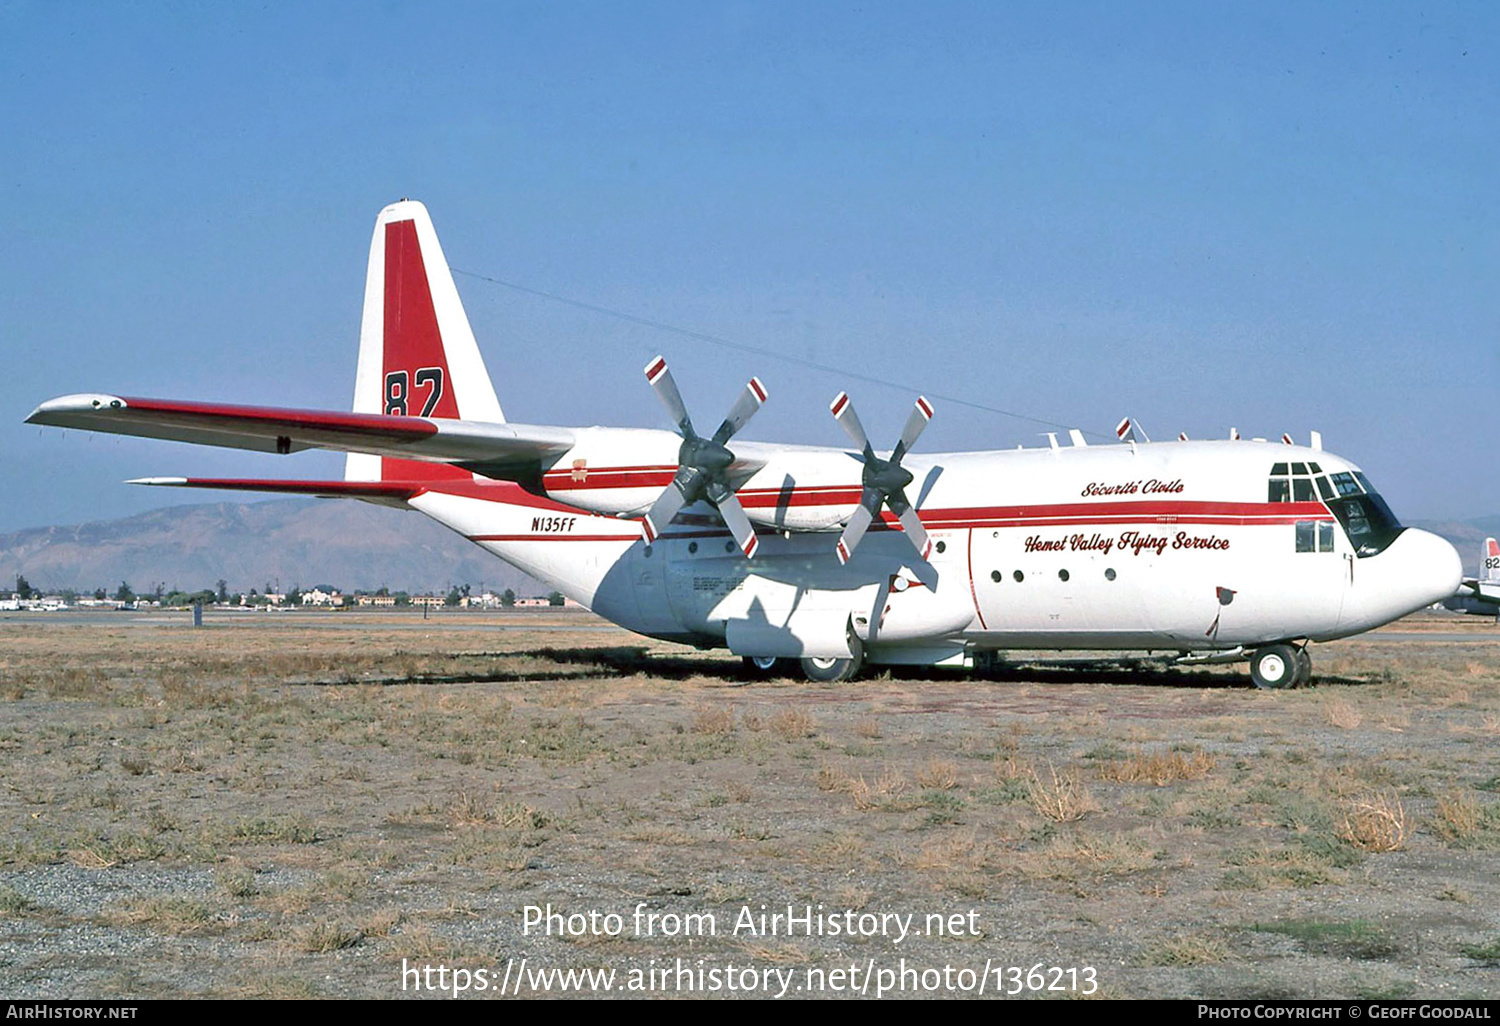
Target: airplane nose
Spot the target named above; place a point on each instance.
(1431, 565)
(1415, 570)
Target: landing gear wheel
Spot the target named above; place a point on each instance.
(1304, 668)
(764, 666)
(1274, 667)
(831, 670)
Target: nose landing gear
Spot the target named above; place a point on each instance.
(1274, 667)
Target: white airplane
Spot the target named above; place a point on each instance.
(837, 557)
(1480, 594)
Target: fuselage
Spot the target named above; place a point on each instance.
(1184, 546)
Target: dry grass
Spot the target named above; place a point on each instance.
(1190, 950)
(939, 774)
(1159, 767)
(713, 720)
(792, 724)
(344, 820)
(1341, 714)
(1458, 817)
(1061, 797)
(326, 935)
(885, 792)
(1376, 823)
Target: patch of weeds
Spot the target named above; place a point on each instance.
(1375, 823)
(237, 881)
(326, 935)
(171, 915)
(1190, 950)
(1008, 793)
(1488, 952)
(938, 774)
(13, 902)
(1158, 767)
(1061, 797)
(1213, 819)
(276, 829)
(709, 720)
(792, 724)
(1329, 850)
(1106, 750)
(942, 808)
(1357, 938)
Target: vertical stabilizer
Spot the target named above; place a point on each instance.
(1489, 563)
(417, 354)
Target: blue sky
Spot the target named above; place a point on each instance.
(1272, 216)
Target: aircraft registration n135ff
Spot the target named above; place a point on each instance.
(837, 557)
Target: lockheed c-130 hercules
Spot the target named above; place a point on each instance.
(836, 557)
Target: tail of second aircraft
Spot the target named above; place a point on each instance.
(417, 354)
(1489, 562)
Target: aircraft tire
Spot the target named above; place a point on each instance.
(1274, 667)
(764, 666)
(1304, 668)
(831, 671)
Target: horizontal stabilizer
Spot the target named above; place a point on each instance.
(323, 489)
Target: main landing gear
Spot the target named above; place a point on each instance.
(817, 669)
(1280, 666)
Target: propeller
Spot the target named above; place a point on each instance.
(702, 463)
(883, 481)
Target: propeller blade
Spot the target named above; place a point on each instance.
(672, 498)
(842, 408)
(912, 525)
(750, 400)
(666, 390)
(921, 413)
(859, 522)
(738, 524)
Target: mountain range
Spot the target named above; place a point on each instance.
(308, 542)
(279, 543)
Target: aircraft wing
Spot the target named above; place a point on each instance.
(1485, 591)
(507, 452)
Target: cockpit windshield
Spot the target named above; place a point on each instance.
(1366, 519)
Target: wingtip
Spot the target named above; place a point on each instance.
(158, 481)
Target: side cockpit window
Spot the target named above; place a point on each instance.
(1297, 482)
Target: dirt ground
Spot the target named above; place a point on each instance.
(339, 804)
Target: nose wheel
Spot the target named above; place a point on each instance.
(1274, 667)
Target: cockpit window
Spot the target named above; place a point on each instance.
(1345, 484)
(1294, 483)
(1368, 521)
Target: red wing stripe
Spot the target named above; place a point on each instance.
(211, 415)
